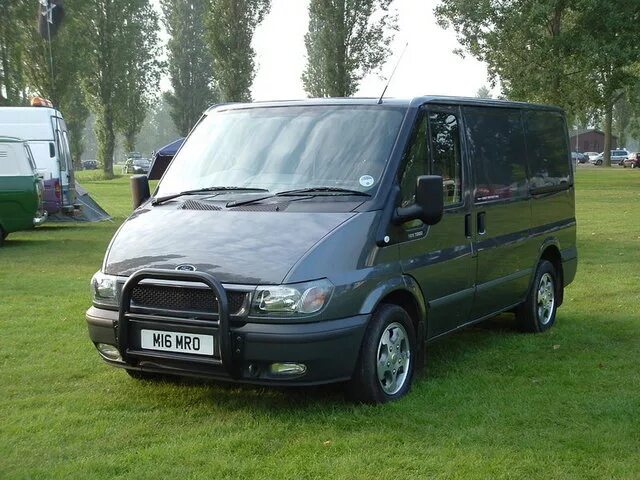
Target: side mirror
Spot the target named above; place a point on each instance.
(429, 204)
(140, 192)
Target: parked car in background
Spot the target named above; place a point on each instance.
(136, 165)
(89, 164)
(633, 161)
(578, 157)
(21, 188)
(591, 155)
(617, 157)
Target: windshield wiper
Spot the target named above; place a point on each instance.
(159, 200)
(330, 190)
(308, 192)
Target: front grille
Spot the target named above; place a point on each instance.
(183, 299)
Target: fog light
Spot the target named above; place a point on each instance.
(109, 352)
(288, 369)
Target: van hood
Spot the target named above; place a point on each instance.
(240, 247)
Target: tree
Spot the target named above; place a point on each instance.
(230, 26)
(524, 44)
(611, 53)
(158, 128)
(622, 114)
(67, 51)
(75, 114)
(140, 79)
(573, 53)
(116, 54)
(483, 92)
(190, 62)
(14, 14)
(347, 39)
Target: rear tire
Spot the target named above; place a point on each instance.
(538, 312)
(385, 367)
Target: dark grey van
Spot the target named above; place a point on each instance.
(301, 243)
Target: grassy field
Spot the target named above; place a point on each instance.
(492, 403)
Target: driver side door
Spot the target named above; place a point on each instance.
(440, 257)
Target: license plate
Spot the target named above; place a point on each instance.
(177, 342)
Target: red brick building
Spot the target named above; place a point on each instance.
(589, 140)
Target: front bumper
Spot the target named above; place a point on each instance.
(328, 349)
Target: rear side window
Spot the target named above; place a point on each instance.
(497, 153)
(548, 150)
(12, 160)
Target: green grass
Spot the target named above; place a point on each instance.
(492, 403)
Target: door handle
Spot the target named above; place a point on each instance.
(467, 225)
(482, 223)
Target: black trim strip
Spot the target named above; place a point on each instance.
(550, 189)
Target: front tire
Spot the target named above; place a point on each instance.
(538, 312)
(385, 368)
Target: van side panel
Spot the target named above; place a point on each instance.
(18, 194)
(502, 210)
(552, 186)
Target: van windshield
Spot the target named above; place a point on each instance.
(285, 148)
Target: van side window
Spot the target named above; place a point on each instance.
(62, 160)
(548, 151)
(497, 149)
(445, 157)
(414, 161)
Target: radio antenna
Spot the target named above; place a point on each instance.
(392, 73)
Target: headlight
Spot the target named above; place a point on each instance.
(301, 298)
(104, 290)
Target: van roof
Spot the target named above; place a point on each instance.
(31, 112)
(28, 123)
(398, 102)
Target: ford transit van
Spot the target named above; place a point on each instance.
(308, 242)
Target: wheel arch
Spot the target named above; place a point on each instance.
(405, 293)
(550, 251)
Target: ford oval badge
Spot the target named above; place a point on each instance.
(185, 267)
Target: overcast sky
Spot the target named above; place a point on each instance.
(429, 65)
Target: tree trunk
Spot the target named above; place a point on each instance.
(77, 149)
(130, 142)
(6, 74)
(106, 140)
(608, 126)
